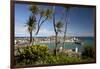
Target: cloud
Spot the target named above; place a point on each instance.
(21, 30)
(45, 32)
(88, 34)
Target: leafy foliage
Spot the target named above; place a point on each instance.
(31, 54)
(43, 14)
(34, 9)
(60, 59)
(88, 52)
(39, 54)
(31, 23)
(59, 26)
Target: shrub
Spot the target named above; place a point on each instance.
(88, 52)
(61, 59)
(39, 54)
(31, 54)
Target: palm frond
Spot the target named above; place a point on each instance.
(59, 26)
(34, 9)
(31, 23)
(48, 13)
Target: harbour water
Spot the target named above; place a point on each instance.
(69, 45)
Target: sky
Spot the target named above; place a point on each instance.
(80, 21)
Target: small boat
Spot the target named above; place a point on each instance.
(77, 41)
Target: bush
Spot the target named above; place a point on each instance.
(88, 52)
(61, 59)
(39, 54)
(31, 54)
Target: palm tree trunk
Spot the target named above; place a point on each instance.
(38, 25)
(55, 50)
(56, 43)
(64, 38)
(30, 37)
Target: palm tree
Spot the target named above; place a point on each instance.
(46, 15)
(31, 25)
(57, 28)
(43, 15)
(66, 22)
(54, 30)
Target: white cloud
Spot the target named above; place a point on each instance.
(21, 30)
(45, 32)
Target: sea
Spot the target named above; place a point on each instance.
(69, 45)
